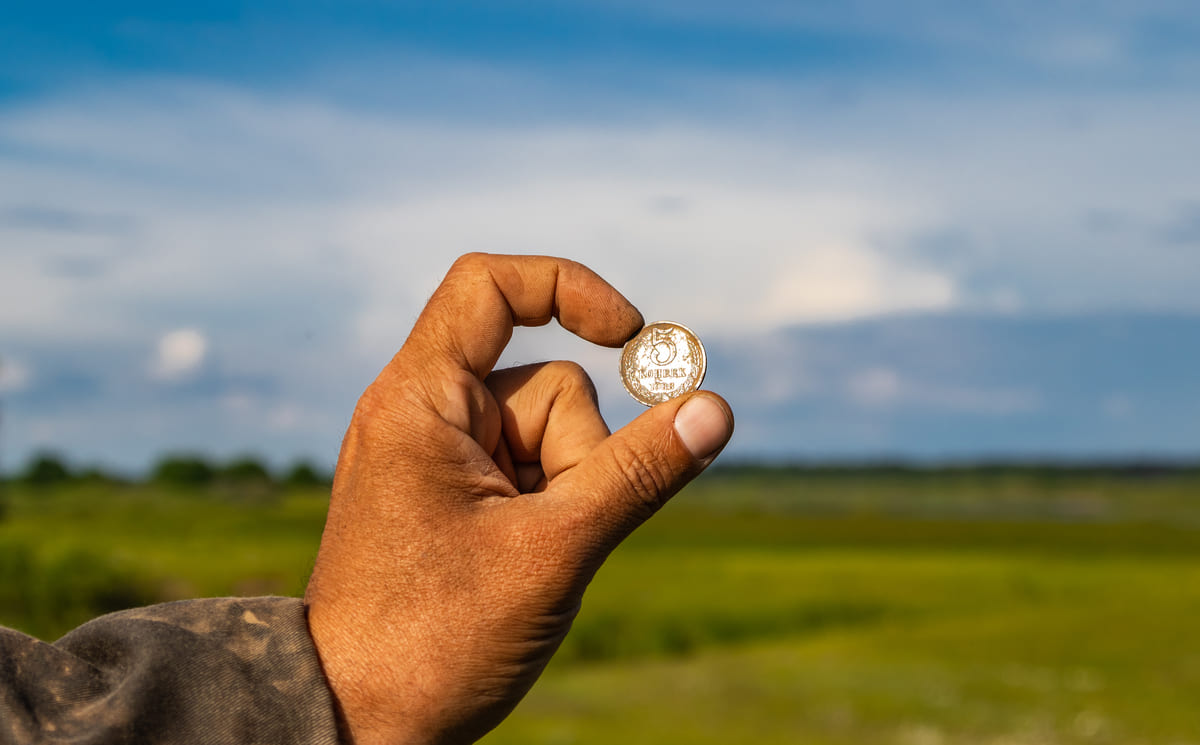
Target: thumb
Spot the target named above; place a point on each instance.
(633, 473)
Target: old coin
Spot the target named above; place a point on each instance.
(665, 360)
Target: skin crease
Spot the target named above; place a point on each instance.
(471, 508)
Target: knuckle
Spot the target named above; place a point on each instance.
(370, 414)
(380, 409)
(370, 404)
(571, 378)
(471, 263)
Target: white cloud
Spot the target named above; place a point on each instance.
(238, 402)
(285, 417)
(248, 410)
(15, 376)
(883, 387)
(1081, 50)
(996, 401)
(723, 257)
(179, 354)
(1118, 406)
(876, 386)
(728, 225)
(834, 283)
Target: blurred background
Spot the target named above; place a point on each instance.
(944, 258)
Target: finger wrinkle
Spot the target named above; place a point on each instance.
(528, 306)
(555, 305)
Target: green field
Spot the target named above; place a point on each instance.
(877, 605)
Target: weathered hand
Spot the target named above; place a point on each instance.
(471, 508)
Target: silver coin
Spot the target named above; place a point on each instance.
(663, 361)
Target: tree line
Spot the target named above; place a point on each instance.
(181, 470)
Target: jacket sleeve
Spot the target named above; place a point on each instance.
(214, 671)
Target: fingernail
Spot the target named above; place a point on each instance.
(702, 425)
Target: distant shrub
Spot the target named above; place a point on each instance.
(244, 470)
(245, 479)
(97, 475)
(304, 475)
(46, 469)
(180, 470)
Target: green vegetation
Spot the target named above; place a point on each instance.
(1028, 604)
(1001, 605)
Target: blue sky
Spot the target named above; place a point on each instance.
(217, 220)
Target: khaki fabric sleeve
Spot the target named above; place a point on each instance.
(214, 671)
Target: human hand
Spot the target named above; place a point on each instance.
(471, 508)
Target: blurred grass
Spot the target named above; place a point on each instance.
(150, 544)
(1029, 605)
(1034, 605)
(937, 647)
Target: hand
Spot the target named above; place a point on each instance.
(471, 508)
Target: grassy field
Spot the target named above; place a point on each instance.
(762, 606)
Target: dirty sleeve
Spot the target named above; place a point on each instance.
(215, 671)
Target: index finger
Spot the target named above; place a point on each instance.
(470, 317)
